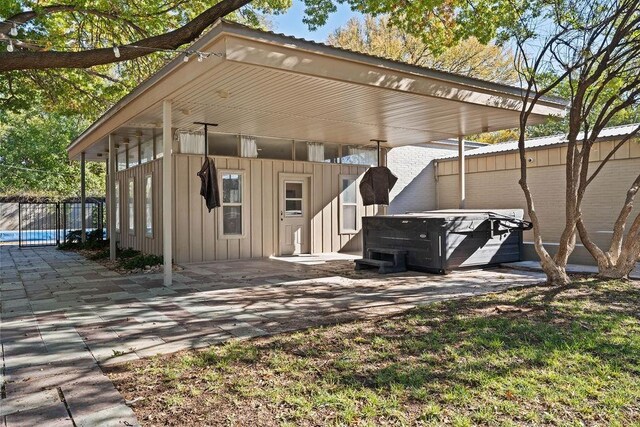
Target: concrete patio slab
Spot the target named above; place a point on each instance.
(571, 268)
(63, 317)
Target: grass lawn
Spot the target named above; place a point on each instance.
(539, 355)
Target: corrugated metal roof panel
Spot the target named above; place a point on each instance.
(610, 132)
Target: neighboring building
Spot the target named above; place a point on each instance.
(295, 124)
(492, 182)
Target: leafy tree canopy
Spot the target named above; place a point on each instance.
(376, 36)
(79, 25)
(33, 160)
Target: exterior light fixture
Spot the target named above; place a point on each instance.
(10, 47)
(116, 51)
(13, 32)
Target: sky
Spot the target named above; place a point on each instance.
(291, 23)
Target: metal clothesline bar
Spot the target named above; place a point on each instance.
(378, 141)
(206, 135)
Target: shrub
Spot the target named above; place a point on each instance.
(73, 240)
(140, 261)
(127, 253)
(103, 254)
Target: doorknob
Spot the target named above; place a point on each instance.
(281, 216)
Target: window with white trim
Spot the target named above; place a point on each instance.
(117, 207)
(131, 206)
(348, 204)
(232, 218)
(148, 206)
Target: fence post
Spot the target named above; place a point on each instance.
(19, 224)
(58, 223)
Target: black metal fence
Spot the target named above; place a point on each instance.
(72, 216)
(50, 223)
(38, 224)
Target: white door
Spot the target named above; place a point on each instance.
(294, 215)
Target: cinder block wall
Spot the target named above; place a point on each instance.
(415, 168)
(492, 182)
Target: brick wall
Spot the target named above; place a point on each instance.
(416, 186)
(488, 188)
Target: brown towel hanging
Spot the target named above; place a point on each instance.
(209, 188)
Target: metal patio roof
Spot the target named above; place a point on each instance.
(271, 85)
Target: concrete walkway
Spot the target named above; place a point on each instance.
(63, 317)
(571, 268)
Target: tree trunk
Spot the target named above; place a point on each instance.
(623, 253)
(556, 272)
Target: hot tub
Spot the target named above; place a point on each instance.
(443, 240)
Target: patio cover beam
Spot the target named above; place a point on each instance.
(112, 197)
(462, 184)
(83, 197)
(167, 193)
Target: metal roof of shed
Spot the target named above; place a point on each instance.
(545, 141)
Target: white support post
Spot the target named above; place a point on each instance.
(167, 193)
(461, 173)
(83, 197)
(112, 198)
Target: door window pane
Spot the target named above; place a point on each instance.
(294, 190)
(293, 208)
(293, 199)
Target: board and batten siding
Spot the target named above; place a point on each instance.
(139, 240)
(195, 231)
(492, 182)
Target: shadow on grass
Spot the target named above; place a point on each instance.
(570, 354)
(492, 336)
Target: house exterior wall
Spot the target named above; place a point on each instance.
(139, 240)
(196, 231)
(492, 182)
(414, 166)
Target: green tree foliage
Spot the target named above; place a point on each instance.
(41, 111)
(79, 25)
(440, 24)
(33, 159)
(376, 36)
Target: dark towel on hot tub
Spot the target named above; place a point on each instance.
(209, 189)
(376, 184)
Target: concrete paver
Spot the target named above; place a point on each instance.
(63, 317)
